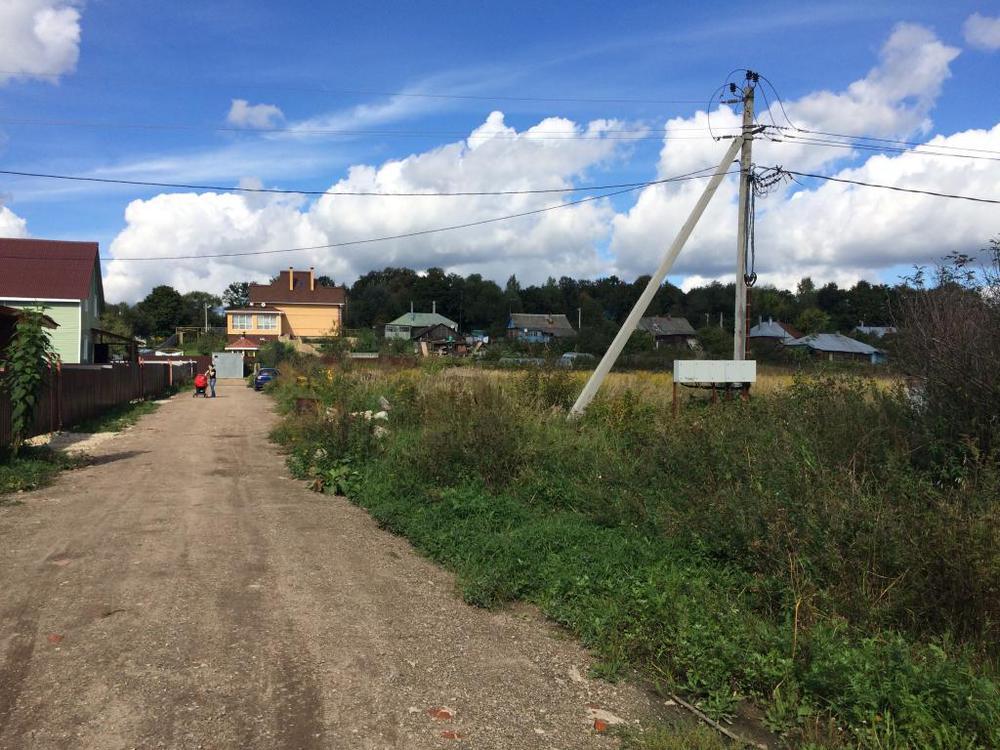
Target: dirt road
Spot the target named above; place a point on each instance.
(183, 592)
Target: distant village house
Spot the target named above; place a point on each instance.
(534, 328)
(668, 331)
(293, 306)
(836, 347)
(419, 326)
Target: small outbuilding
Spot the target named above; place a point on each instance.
(836, 347)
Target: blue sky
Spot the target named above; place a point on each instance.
(152, 81)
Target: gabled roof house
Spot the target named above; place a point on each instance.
(64, 279)
(412, 325)
(291, 306)
(838, 347)
(668, 330)
(539, 328)
(774, 330)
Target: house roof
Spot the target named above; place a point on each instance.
(436, 332)
(423, 320)
(878, 331)
(48, 269)
(277, 292)
(667, 326)
(833, 342)
(253, 309)
(557, 325)
(772, 329)
(242, 343)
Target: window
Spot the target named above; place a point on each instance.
(242, 321)
(267, 322)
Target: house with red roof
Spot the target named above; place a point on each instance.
(292, 306)
(64, 280)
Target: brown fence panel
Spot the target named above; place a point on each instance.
(75, 393)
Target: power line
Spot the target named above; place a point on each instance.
(823, 142)
(690, 176)
(639, 134)
(895, 188)
(289, 191)
(893, 141)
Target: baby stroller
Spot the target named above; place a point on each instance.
(200, 385)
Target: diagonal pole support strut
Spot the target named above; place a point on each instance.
(611, 355)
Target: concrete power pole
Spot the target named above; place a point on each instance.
(740, 320)
(632, 320)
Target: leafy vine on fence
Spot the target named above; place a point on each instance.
(25, 361)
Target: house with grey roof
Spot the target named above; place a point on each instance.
(836, 347)
(539, 328)
(774, 330)
(409, 326)
(668, 331)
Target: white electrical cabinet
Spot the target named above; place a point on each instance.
(715, 371)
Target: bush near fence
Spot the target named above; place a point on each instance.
(73, 393)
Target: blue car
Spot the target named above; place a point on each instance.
(264, 376)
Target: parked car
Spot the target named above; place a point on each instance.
(577, 359)
(264, 376)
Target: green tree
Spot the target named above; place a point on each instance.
(237, 294)
(160, 312)
(194, 309)
(118, 318)
(812, 320)
(28, 356)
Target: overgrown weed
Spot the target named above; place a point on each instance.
(786, 550)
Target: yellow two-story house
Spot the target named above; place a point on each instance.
(292, 306)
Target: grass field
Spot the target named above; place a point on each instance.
(797, 552)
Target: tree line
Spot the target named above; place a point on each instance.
(599, 305)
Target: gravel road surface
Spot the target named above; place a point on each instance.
(183, 592)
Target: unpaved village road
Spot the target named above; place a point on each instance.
(183, 592)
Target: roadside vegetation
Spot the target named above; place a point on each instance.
(815, 551)
(116, 418)
(31, 468)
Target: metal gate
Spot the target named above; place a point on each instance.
(228, 364)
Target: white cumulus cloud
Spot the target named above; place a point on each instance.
(243, 114)
(982, 32)
(893, 100)
(12, 225)
(494, 157)
(38, 38)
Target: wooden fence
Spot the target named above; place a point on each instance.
(72, 393)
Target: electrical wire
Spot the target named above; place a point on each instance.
(826, 143)
(419, 233)
(896, 188)
(365, 193)
(642, 134)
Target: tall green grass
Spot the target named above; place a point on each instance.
(788, 551)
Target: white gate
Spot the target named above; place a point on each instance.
(228, 364)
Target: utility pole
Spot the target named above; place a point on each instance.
(740, 321)
(206, 317)
(632, 320)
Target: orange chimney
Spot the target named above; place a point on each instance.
(291, 278)
(312, 279)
